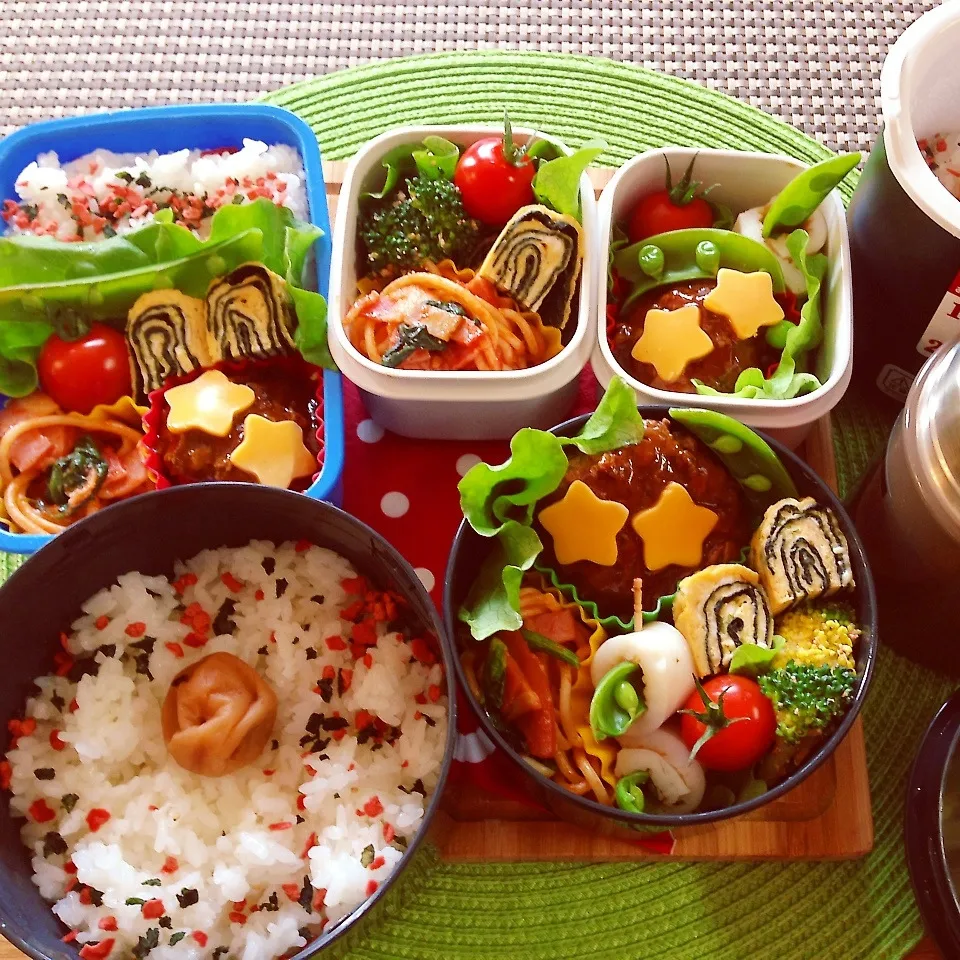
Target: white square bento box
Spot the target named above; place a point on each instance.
(744, 180)
(449, 404)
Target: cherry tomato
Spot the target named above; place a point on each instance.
(79, 374)
(658, 213)
(734, 745)
(493, 186)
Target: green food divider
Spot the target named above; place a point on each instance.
(713, 911)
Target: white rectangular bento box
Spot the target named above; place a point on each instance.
(744, 180)
(450, 404)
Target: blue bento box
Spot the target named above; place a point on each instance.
(196, 127)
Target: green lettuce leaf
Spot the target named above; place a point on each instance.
(750, 660)
(45, 283)
(615, 423)
(437, 158)
(311, 333)
(490, 496)
(493, 603)
(796, 339)
(557, 182)
(20, 345)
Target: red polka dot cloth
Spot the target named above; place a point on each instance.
(407, 490)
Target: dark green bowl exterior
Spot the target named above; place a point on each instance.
(468, 552)
(148, 534)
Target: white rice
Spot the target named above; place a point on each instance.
(218, 829)
(47, 189)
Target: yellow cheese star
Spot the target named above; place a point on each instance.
(746, 300)
(208, 403)
(583, 526)
(673, 529)
(670, 340)
(273, 452)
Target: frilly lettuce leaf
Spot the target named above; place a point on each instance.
(615, 423)
(750, 660)
(490, 496)
(311, 332)
(796, 339)
(493, 603)
(435, 158)
(557, 182)
(499, 502)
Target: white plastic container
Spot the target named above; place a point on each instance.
(446, 404)
(744, 180)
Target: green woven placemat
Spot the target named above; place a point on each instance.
(622, 911)
(550, 910)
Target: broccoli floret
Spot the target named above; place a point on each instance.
(425, 220)
(806, 697)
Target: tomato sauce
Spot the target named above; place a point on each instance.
(195, 456)
(718, 369)
(636, 476)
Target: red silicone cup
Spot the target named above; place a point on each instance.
(155, 416)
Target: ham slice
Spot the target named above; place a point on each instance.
(37, 449)
(124, 474)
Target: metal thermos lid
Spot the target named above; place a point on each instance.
(932, 421)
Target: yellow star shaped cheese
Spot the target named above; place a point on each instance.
(670, 340)
(208, 403)
(746, 300)
(583, 526)
(274, 452)
(673, 529)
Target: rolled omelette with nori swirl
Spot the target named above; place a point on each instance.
(250, 314)
(536, 259)
(167, 333)
(719, 608)
(800, 553)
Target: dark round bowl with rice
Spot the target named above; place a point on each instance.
(335, 649)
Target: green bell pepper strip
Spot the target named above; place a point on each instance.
(616, 703)
(750, 459)
(806, 191)
(628, 794)
(694, 254)
(538, 641)
(495, 672)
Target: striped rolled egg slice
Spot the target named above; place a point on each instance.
(800, 553)
(167, 333)
(250, 314)
(536, 260)
(719, 608)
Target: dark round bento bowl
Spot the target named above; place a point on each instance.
(148, 533)
(933, 790)
(468, 552)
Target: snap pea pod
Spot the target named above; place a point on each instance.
(806, 191)
(693, 254)
(628, 794)
(616, 703)
(748, 457)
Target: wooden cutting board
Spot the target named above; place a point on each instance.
(827, 817)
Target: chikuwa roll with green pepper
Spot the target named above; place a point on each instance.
(592, 674)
